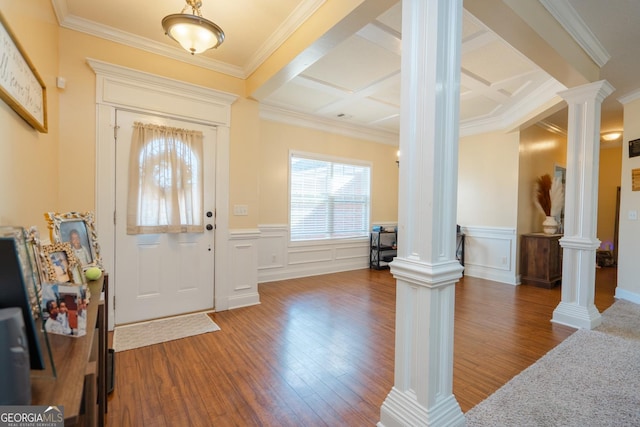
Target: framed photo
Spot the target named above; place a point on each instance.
(21, 87)
(64, 309)
(34, 250)
(79, 231)
(18, 289)
(59, 262)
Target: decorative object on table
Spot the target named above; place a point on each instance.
(79, 231)
(549, 199)
(93, 273)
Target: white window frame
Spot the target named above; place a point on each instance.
(333, 159)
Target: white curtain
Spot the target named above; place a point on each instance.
(165, 180)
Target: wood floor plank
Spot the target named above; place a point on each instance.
(319, 351)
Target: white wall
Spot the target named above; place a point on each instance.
(628, 246)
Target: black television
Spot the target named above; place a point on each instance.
(16, 276)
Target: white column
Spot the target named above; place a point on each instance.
(426, 269)
(577, 308)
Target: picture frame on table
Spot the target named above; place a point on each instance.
(59, 263)
(64, 309)
(19, 288)
(34, 251)
(77, 229)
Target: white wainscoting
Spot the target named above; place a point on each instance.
(242, 258)
(490, 253)
(280, 260)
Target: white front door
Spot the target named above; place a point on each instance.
(159, 275)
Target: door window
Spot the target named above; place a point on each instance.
(165, 180)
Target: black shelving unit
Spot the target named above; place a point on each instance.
(382, 248)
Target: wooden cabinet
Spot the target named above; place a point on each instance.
(541, 259)
(80, 384)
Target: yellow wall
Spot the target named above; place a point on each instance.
(78, 106)
(276, 141)
(244, 162)
(608, 183)
(540, 152)
(29, 159)
(55, 171)
(488, 180)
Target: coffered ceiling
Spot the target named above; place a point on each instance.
(355, 82)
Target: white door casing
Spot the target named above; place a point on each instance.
(160, 275)
(120, 87)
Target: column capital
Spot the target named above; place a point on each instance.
(576, 242)
(425, 274)
(592, 91)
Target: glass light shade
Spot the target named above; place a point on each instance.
(194, 33)
(611, 136)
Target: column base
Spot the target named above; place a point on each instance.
(402, 409)
(577, 316)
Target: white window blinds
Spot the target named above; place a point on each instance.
(328, 199)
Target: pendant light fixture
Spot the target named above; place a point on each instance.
(194, 33)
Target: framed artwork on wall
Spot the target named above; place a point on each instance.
(21, 87)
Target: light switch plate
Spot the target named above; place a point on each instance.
(240, 210)
(633, 215)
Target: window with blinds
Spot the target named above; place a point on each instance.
(328, 199)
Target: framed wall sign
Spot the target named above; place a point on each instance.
(20, 85)
(634, 148)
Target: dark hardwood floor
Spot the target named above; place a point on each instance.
(319, 351)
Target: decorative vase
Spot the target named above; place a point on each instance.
(550, 225)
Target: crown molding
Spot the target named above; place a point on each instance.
(301, 13)
(276, 114)
(511, 118)
(550, 127)
(291, 24)
(573, 24)
(630, 97)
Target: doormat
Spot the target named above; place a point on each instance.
(143, 334)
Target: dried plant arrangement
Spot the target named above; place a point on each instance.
(542, 198)
(549, 195)
(556, 193)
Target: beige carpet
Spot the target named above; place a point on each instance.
(144, 334)
(591, 379)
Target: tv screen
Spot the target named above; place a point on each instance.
(13, 293)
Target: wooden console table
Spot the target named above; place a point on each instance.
(541, 260)
(80, 366)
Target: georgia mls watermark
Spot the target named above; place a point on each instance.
(31, 416)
